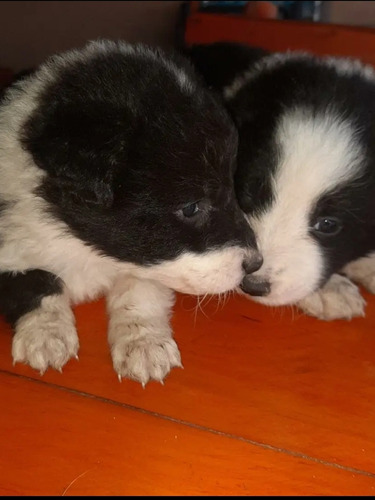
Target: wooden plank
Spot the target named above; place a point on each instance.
(57, 443)
(276, 35)
(268, 375)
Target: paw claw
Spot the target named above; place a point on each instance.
(144, 359)
(45, 338)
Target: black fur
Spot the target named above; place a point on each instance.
(23, 292)
(354, 206)
(306, 83)
(115, 159)
(121, 142)
(219, 63)
(311, 85)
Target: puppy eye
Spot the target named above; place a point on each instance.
(328, 226)
(190, 210)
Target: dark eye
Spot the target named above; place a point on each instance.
(327, 225)
(190, 210)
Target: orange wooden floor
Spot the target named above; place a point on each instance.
(270, 402)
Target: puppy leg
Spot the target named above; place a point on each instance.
(139, 335)
(35, 304)
(363, 271)
(339, 298)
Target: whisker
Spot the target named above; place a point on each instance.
(200, 301)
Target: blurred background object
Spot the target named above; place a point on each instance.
(266, 10)
(33, 30)
(280, 30)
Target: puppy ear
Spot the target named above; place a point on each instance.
(89, 193)
(80, 149)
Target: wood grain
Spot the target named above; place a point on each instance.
(271, 376)
(55, 442)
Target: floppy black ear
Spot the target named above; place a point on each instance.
(80, 148)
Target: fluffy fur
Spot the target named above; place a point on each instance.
(116, 170)
(306, 171)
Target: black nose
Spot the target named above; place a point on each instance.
(255, 286)
(252, 265)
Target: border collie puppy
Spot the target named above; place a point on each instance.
(306, 172)
(116, 170)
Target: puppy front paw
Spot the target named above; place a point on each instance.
(142, 357)
(369, 283)
(339, 298)
(362, 271)
(45, 338)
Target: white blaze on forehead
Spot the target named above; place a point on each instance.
(316, 154)
(317, 151)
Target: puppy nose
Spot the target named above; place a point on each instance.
(255, 286)
(252, 265)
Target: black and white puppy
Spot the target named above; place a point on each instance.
(306, 171)
(116, 170)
